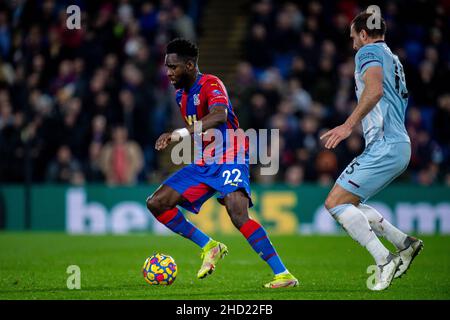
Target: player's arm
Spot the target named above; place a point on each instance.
(217, 104)
(372, 93)
(218, 114)
(215, 118)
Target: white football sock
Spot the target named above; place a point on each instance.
(382, 227)
(357, 226)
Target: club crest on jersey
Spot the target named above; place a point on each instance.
(196, 100)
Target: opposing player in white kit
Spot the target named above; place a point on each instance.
(382, 100)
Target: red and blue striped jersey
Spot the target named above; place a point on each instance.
(207, 92)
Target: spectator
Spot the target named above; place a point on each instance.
(294, 175)
(319, 82)
(64, 167)
(258, 49)
(5, 35)
(183, 24)
(300, 97)
(92, 166)
(68, 87)
(326, 166)
(121, 159)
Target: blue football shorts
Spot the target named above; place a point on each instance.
(198, 183)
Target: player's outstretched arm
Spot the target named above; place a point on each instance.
(372, 93)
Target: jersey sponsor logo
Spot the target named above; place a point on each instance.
(217, 92)
(367, 55)
(196, 99)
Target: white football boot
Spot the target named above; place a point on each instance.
(385, 273)
(408, 254)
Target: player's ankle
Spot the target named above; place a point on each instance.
(209, 243)
(284, 272)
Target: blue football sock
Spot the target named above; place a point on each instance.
(175, 221)
(258, 239)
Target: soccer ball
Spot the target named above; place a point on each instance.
(160, 269)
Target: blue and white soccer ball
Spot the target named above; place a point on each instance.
(160, 269)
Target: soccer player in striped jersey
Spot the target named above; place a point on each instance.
(203, 98)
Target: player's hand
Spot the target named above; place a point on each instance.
(163, 141)
(336, 135)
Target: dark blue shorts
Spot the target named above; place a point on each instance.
(199, 183)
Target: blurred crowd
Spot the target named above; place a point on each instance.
(87, 105)
(297, 75)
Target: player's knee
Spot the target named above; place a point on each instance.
(331, 202)
(236, 204)
(155, 205)
(151, 204)
(239, 219)
(237, 214)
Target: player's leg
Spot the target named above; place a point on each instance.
(384, 228)
(408, 247)
(237, 204)
(373, 170)
(342, 205)
(163, 205)
(391, 165)
(187, 189)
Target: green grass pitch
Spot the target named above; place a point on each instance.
(33, 266)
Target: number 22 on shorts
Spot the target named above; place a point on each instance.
(227, 175)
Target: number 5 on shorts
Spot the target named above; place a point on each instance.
(352, 167)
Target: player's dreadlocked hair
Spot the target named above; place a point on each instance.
(185, 49)
(360, 23)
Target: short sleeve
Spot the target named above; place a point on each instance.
(178, 95)
(215, 94)
(368, 56)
